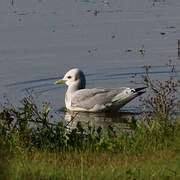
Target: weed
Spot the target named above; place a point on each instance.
(162, 101)
(31, 147)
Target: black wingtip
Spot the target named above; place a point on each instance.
(140, 92)
(139, 89)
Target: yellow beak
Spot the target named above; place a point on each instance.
(60, 81)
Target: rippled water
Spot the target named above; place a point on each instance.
(41, 40)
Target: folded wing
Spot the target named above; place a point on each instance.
(102, 99)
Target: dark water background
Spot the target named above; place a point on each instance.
(40, 40)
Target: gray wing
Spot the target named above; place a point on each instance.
(99, 98)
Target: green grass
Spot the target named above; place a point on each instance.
(150, 153)
(150, 150)
(164, 164)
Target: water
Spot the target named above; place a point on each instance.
(41, 40)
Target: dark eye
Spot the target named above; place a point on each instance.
(69, 77)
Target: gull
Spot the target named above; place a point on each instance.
(78, 98)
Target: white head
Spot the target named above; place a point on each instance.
(73, 77)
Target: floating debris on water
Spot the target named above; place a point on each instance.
(113, 35)
(142, 50)
(106, 3)
(91, 50)
(96, 12)
(12, 2)
(24, 13)
(162, 33)
(170, 27)
(128, 50)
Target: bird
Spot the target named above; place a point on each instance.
(78, 98)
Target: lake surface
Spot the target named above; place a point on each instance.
(40, 40)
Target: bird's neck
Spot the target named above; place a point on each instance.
(75, 87)
(71, 90)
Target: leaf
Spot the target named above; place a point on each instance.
(80, 127)
(90, 126)
(12, 2)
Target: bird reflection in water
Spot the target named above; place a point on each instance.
(122, 120)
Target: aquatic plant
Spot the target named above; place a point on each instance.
(162, 101)
(31, 147)
(12, 2)
(31, 128)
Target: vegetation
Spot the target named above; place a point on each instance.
(33, 148)
(12, 2)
